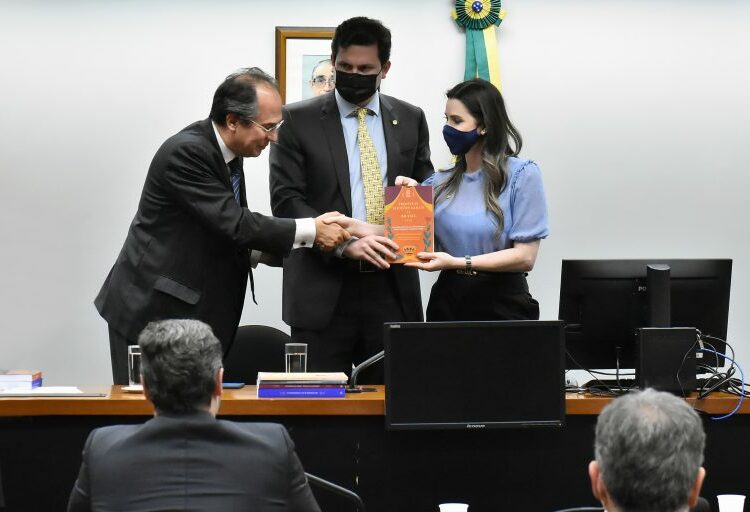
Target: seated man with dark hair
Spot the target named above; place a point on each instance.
(184, 458)
(649, 451)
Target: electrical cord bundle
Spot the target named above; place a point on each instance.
(602, 387)
(717, 380)
(721, 380)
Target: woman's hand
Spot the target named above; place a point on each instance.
(432, 261)
(405, 181)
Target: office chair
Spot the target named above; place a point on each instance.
(582, 509)
(255, 348)
(337, 489)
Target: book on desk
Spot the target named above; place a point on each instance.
(20, 380)
(301, 385)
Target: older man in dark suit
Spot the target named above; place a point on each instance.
(184, 458)
(649, 455)
(336, 152)
(191, 244)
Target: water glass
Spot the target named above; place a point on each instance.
(295, 357)
(134, 365)
(731, 502)
(453, 507)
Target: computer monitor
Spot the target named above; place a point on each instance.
(604, 302)
(474, 375)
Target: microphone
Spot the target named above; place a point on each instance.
(353, 388)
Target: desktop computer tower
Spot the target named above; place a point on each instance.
(666, 359)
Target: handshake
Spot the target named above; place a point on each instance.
(332, 229)
(328, 233)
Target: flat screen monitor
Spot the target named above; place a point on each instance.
(604, 302)
(474, 375)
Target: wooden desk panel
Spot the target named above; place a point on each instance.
(244, 402)
(716, 404)
(234, 402)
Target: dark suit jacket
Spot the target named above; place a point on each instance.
(186, 253)
(191, 462)
(310, 176)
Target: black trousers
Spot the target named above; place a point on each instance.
(485, 296)
(355, 332)
(118, 352)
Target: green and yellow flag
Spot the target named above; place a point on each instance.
(479, 18)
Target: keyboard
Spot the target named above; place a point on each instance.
(603, 383)
(625, 383)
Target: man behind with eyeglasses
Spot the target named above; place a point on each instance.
(193, 240)
(323, 79)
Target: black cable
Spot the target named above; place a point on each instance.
(720, 380)
(600, 389)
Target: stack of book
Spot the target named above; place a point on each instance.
(301, 385)
(20, 380)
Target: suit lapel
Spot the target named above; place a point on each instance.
(223, 170)
(331, 120)
(391, 128)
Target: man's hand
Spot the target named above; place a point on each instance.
(374, 249)
(355, 227)
(329, 236)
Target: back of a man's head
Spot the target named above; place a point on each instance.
(649, 450)
(179, 363)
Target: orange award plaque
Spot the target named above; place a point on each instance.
(409, 220)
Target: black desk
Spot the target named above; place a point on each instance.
(345, 441)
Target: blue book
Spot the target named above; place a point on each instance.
(329, 392)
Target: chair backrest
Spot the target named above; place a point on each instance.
(582, 509)
(255, 348)
(348, 494)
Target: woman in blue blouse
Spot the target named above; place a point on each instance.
(490, 213)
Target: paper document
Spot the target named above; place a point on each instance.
(49, 391)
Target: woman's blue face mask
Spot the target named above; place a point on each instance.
(459, 142)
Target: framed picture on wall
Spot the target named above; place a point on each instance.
(303, 66)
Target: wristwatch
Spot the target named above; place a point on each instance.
(467, 270)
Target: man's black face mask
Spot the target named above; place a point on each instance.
(356, 88)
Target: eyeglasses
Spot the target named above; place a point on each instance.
(322, 80)
(268, 130)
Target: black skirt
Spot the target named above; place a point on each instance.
(485, 296)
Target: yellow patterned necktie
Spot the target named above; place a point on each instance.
(371, 177)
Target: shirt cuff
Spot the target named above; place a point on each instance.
(339, 252)
(304, 234)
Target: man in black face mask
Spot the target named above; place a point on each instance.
(337, 152)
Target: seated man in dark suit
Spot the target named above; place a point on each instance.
(184, 458)
(649, 451)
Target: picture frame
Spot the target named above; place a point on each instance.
(299, 52)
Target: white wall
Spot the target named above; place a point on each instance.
(635, 111)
